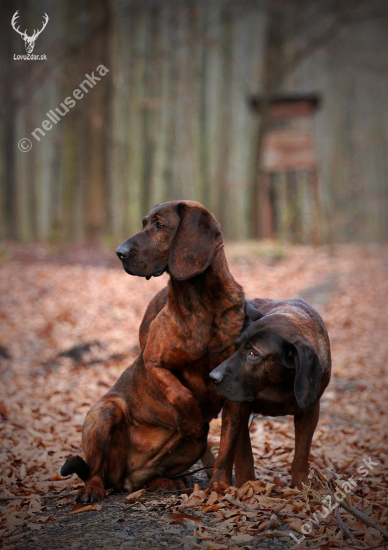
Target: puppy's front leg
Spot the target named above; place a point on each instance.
(305, 423)
(243, 462)
(234, 418)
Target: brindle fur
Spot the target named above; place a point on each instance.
(154, 421)
(288, 376)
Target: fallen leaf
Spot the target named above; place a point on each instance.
(179, 518)
(242, 538)
(43, 519)
(78, 508)
(212, 498)
(268, 488)
(64, 502)
(276, 533)
(296, 524)
(56, 477)
(212, 508)
(135, 495)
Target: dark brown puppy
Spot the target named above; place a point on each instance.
(154, 421)
(281, 366)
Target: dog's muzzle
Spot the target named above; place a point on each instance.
(216, 376)
(123, 252)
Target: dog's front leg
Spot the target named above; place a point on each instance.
(234, 417)
(243, 463)
(189, 418)
(305, 423)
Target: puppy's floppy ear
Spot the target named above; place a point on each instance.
(252, 314)
(303, 358)
(195, 242)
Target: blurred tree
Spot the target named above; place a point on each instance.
(170, 120)
(295, 30)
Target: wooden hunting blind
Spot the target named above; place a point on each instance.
(288, 182)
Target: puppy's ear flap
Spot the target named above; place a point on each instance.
(303, 358)
(251, 314)
(195, 242)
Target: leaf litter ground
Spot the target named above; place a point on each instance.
(69, 323)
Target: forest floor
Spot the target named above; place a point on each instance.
(69, 326)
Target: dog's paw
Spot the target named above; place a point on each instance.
(299, 477)
(219, 481)
(90, 494)
(164, 484)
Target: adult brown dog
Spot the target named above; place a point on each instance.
(281, 366)
(154, 421)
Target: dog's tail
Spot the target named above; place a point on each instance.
(75, 465)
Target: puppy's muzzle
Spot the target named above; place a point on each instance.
(216, 376)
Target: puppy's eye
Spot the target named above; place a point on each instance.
(159, 225)
(252, 355)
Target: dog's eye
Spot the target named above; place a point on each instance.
(252, 355)
(159, 225)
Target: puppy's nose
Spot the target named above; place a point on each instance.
(123, 251)
(216, 376)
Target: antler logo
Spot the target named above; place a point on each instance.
(29, 41)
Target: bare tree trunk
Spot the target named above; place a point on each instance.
(7, 120)
(223, 159)
(274, 73)
(97, 124)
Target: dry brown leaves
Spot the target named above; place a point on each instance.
(68, 331)
(259, 509)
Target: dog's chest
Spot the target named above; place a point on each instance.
(205, 336)
(213, 345)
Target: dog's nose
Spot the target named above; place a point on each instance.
(216, 376)
(123, 251)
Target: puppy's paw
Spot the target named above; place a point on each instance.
(220, 481)
(90, 494)
(299, 477)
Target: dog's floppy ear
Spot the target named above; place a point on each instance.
(252, 314)
(303, 358)
(195, 242)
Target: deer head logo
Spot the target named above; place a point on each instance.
(29, 41)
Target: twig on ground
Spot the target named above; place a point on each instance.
(284, 515)
(272, 522)
(381, 545)
(18, 497)
(234, 502)
(187, 491)
(340, 522)
(193, 472)
(363, 518)
(354, 511)
(342, 526)
(280, 507)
